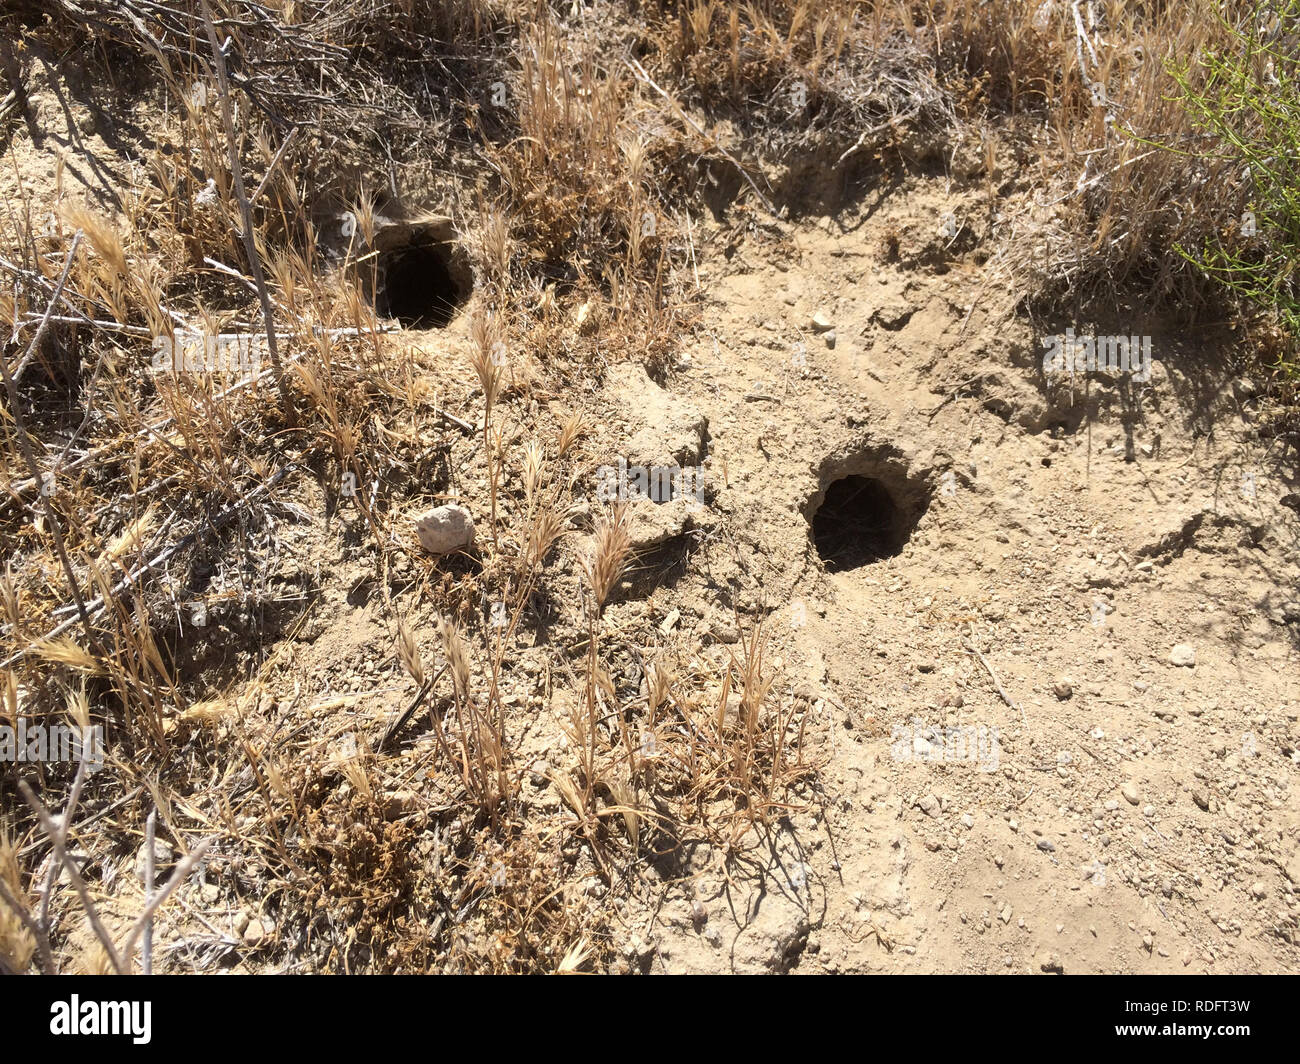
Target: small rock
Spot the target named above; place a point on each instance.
(400, 802)
(928, 804)
(1063, 688)
(830, 339)
(821, 322)
(1201, 799)
(445, 529)
(1046, 846)
(1130, 792)
(1184, 654)
(1258, 891)
(254, 933)
(1050, 962)
(162, 858)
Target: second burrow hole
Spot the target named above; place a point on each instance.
(865, 512)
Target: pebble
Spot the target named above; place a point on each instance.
(1130, 792)
(1046, 846)
(1063, 688)
(1201, 799)
(1183, 654)
(821, 322)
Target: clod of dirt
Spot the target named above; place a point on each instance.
(445, 529)
(652, 525)
(661, 429)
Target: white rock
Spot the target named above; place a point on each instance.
(445, 529)
(1183, 654)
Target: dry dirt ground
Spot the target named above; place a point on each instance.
(1136, 815)
(1015, 773)
(1016, 776)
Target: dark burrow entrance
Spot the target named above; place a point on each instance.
(857, 523)
(418, 286)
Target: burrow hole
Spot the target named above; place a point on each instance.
(420, 286)
(860, 522)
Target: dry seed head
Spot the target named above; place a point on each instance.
(130, 538)
(453, 648)
(78, 706)
(9, 709)
(573, 429)
(548, 526)
(353, 765)
(496, 243)
(659, 687)
(364, 212)
(277, 781)
(409, 652)
(636, 155)
(63, 651)
(485, 358)
(16, 943)
(534, 462)
(608, 557)
(9, 599)
(102, 236)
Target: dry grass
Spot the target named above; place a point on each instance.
(158, 525)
